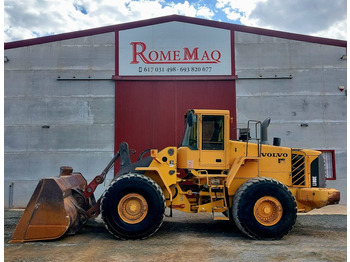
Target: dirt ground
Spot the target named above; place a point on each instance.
(188, 237)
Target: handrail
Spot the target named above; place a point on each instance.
(257, 136)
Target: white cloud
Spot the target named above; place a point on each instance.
(232, 14)
(337, 31)
(244, 8)
(33, 18)
(313, 17)
(205, 12)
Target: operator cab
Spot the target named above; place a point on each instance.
(205, 140)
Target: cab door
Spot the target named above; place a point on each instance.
(212, 141)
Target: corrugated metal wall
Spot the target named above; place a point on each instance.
(51, 122)
(303, 89)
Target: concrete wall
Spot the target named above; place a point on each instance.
(79, 114)
(311, 95)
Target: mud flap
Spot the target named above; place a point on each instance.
(52, 210)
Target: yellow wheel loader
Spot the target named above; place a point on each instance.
(257, 186)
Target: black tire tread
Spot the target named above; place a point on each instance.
(126, 177)
(242, 189)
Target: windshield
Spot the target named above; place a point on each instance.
(190, 136)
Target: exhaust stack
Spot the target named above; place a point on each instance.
(264, 126)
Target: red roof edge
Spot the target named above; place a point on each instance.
(179, 18)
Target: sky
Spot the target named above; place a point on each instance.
(35, 18)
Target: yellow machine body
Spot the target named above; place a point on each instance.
(223, 171)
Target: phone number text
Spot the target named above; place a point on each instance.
(174, 69)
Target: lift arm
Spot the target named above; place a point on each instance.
(123, 153)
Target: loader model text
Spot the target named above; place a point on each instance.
(185, 56)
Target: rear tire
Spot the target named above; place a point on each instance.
(264, 208)
(133, 207)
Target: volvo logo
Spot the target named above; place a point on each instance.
(274, 154)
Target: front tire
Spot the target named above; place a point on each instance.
(264, 208)
(133, 207)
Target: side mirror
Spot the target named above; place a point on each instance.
(190, 119)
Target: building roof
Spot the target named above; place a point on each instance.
(171, 18)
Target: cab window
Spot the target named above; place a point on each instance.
(213, 133)
(190, 136)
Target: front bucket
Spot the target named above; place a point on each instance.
(52, 209)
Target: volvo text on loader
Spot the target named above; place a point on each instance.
(259, 187)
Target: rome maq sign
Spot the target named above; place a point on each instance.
(174, 49)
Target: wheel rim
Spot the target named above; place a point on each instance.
(132, 208)
(268, 211)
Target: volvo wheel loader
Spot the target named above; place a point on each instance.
(257, 186)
